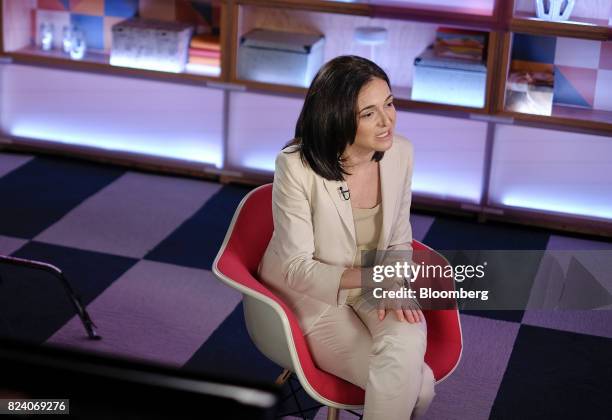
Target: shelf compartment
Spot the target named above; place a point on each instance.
(551, 172)
(450, 166)
(113, 114)
(268, 119)
(599, 121)
(582, 72)
(410, 37)
(449, 153)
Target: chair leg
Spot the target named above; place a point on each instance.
(283, 377)
(332, 413)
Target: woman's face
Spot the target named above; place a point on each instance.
(375, 118)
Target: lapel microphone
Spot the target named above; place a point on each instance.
(346, 194)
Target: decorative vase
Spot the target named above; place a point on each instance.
(554, 10)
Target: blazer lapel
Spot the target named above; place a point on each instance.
(390, 191)
(343, 206)
(389, 185)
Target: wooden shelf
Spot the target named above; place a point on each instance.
(98, 62)
(390, 9)
(590, 119)
(549, 220)
(123, 158)
(436, 8)
(402, 97)
(358, 8)
(481, 18)
(403, 102)
(593, 29)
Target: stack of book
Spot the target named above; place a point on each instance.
(460, 43)
(205, 50)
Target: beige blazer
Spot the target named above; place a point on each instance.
(314, 232)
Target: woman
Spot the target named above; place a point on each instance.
(340, 187)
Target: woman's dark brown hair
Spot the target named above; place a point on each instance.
(328, 121)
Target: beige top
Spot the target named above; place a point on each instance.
(368, 225)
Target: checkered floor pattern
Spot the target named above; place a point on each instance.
(139, 248)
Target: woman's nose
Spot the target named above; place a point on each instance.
(385, 119)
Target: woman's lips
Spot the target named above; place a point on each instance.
(385, 135)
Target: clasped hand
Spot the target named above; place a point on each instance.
(404, 307)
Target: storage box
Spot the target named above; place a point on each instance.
(151, 44)
(449, 81)
(280, 57)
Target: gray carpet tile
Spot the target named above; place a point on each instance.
(420, 225)
(11, 161)
(155, 311)
(469, 392)
(130, 216)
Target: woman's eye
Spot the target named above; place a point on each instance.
(368, 115)
(390, 104)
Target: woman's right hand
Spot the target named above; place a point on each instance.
(405, 308)
(409, 315)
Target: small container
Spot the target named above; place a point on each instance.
(279, 57)
(78, 46)
(449, 81)
(45, 34)
(67, 35)
(151, 44)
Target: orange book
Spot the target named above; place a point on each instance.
(206, 42)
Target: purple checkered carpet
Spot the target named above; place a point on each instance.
(139, 247)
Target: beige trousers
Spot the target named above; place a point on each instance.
(386, 358)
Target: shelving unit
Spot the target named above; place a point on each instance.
(247, 140)
(19, 18)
